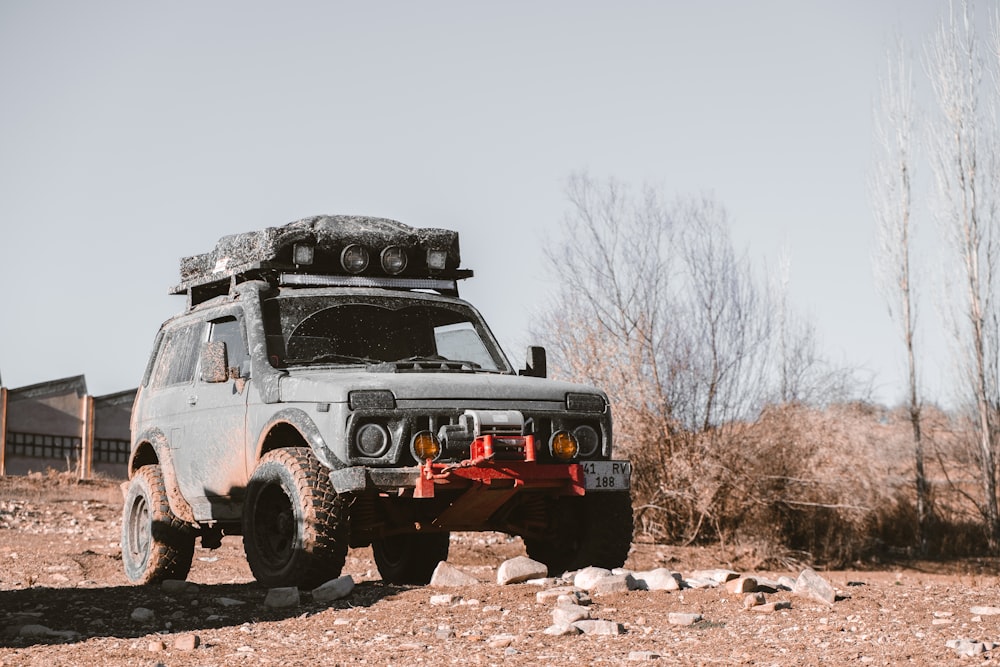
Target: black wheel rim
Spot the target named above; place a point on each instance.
(275, 529)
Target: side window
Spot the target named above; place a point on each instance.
(230, 332)
(178, 356)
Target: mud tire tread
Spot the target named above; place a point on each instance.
(171, 540)
(320, 547)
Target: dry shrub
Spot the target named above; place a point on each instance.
(827, 486)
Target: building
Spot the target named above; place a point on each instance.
(58, 425)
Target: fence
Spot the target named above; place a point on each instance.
(59, 425)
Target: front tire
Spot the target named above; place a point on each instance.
(593, 530)
(156, 545)
(410, 558)
(295, 526)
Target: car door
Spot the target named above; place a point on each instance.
(211, 461)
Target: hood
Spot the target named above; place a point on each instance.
(487, 390)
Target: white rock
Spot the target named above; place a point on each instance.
(553, 594)
(335, 589)
(985, 611)
(640, 656)
(569, 614)
(786, 582)
(589, 576)
(681, 618)
(279, 598)
(718, 576)
(520, 569)
(500, 641)
(562, 630)
(660, 579)
(700, 583)
(444, 600)
(579, 597)
(615, 583)
(741, 585)
(447, 575)
(811, 585)
(589, 627)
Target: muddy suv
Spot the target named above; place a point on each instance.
(326, 388)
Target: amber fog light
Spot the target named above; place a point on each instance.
(425, 446)
(563, 446)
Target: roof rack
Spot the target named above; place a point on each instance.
(328, 250)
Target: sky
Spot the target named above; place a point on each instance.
(135, 133)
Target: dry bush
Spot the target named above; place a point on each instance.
(829, 486)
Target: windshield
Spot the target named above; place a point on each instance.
(324, 330)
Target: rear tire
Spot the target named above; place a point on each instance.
(156, 545)
(295, 525)
(593, 530)
(410, 558)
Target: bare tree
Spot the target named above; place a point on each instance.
(890, 191)
(655, 305)
(963, 142)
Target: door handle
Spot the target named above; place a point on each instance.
(192, 399)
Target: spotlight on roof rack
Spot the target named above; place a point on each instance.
(436, 259)
(393, 260)
(303, 254)
(354, 258)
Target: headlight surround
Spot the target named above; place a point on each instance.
(563, 446)
(588, 439)
(372, 440)
(425, 446)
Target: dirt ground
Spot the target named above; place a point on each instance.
(60, 568)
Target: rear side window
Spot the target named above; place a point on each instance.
(178, 356)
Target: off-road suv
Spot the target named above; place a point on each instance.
(326, 388)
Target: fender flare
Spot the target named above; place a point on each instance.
(306, 427)
(161, 447)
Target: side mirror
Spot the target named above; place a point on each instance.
(535, 364)
(214, 362)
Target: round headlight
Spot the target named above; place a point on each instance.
(563, 446)
(372, 440)
(354, 258)
(393, 260)
(425, 446)
(588, 440)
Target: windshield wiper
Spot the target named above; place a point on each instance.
(334, 357)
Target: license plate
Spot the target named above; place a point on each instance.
(607, 475)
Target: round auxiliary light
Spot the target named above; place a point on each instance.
(372, 440)
(393, 260)
(425, 446)
(563, 446)
(354, 258)
(588, 440)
